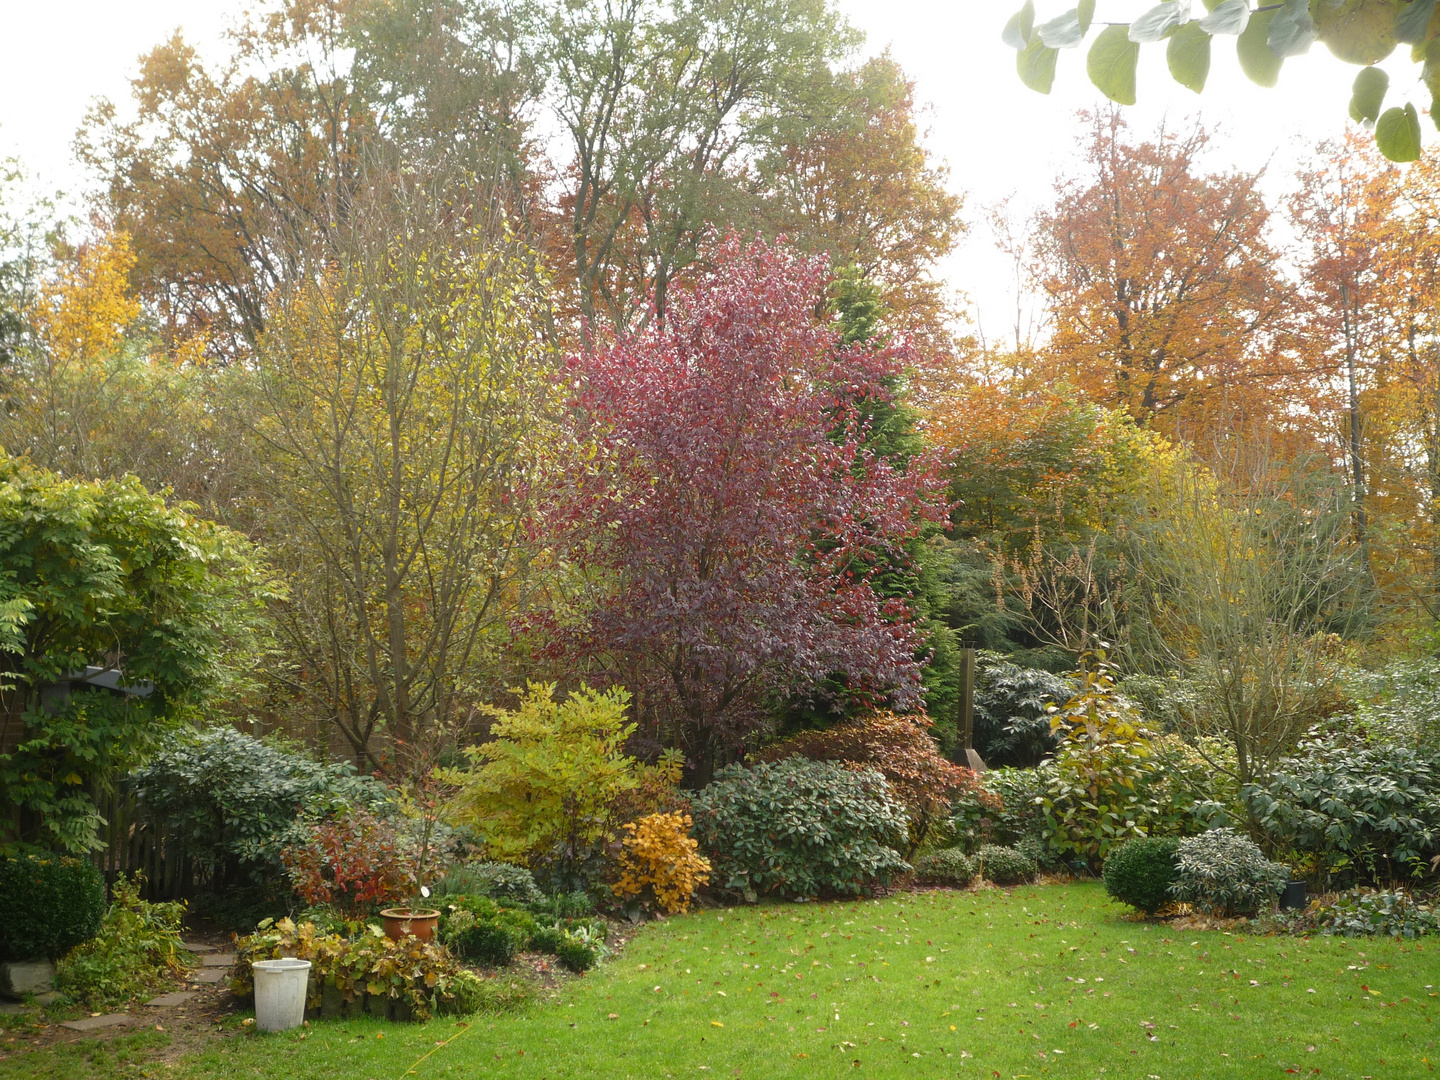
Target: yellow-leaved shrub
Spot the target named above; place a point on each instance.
(659, 852)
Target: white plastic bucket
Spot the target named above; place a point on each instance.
(280, 993)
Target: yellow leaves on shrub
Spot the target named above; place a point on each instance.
(659, 852)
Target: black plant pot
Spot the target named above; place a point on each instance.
(1294, 895)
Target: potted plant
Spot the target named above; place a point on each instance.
(415, 919)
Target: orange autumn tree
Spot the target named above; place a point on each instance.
(1164, 291)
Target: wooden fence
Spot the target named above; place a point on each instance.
(133, 845)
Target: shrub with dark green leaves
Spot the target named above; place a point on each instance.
(497, 880)
(1140, 872)
(1011, 724)
(1223, 873)
(800, 828)
(1367, 812)
(950, 866)
(563, 905)
(1381, 914)
(1004, 865)
(975, 821)
(237, 802)
(51, 904)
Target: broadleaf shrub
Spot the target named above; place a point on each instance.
(420, 975)
(1223, 873)
(1005, 865)
(1012, 727)
(497, 880)
(1140, 872)
(546, 789)
(948, 866)
(51, 904)
(237, 802)
(903, 752)
(355, 861)
(801, 828)
(1366, 811)
(659, 854)
(137, 951)
(481, 930)
(1380, 914)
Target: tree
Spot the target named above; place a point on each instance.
(1337, 211)
(849, 178)
(664, 106)
(1249, 583)
(395, 421)
(1362, 32)
(104, 575)
(224, 172)
(1164, 289)
(27, 230)
(734, 535)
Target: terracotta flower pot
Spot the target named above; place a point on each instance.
(410, 922)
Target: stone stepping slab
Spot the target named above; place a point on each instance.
(95, 1023)
(217, 960)
(209, 975)
(196, 947)
(165, 1001)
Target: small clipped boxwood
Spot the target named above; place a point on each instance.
(479, 930)
(1140, 872)
(948, 867)
(50, 903)
(800, 828)
(1004, 865)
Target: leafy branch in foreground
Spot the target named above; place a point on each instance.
(1360, 32)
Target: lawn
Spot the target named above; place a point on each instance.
(1043, 981)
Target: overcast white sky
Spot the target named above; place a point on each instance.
(999, 138)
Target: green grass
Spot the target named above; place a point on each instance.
(121, 1058)
(1035, 982)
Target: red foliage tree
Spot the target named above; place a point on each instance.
(735, 512)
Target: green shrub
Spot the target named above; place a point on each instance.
(478, 929)
(581, 950)
(1381, 914)
(950, 866)
(51, 903)
(1366, 812)
(497, 880)
(564, 905)
(137, 951)
(420, 975)
(237, 802)
(800, 828)
(1140, 872)
(1223, 873)
(1011, 724)
(471, 993)
(1004, 865)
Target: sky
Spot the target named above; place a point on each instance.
(1000, 140)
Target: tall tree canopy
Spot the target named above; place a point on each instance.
(1163, 285)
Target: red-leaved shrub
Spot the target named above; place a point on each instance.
(353, 861)
(902, 749)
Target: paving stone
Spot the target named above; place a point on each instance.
(13, 1009)
(95, 1023)
(208, 975)
(21, 977)
(197, 946)
(217, 960)
(165, 1001)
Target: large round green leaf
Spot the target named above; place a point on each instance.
(1230, 17)
(1413, 21)
(1368, 95)
(1397, 133)
(1111, 64)
(1292, 30)
(1257, 61)
(1357, 31)
(1021, 27)
(1159, 22)
(1188, 55)
(1036, 65)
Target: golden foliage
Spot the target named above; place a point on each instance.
(659, 853)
